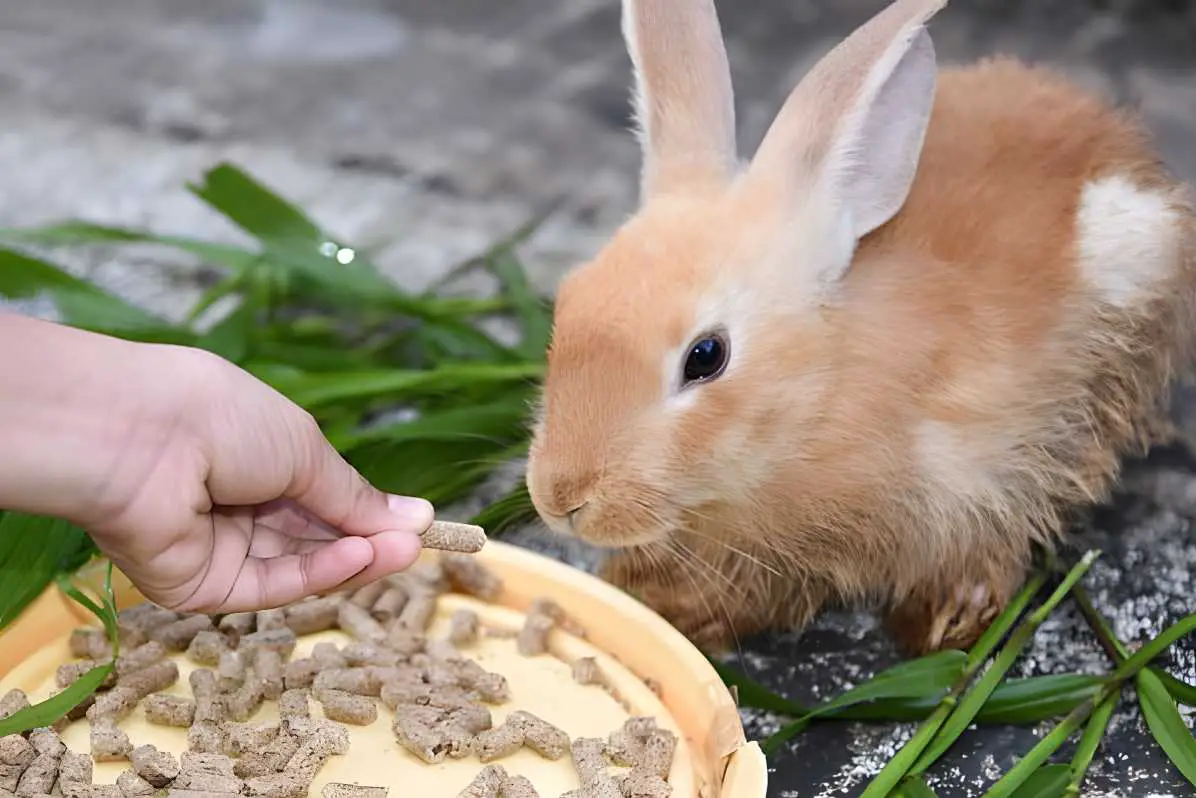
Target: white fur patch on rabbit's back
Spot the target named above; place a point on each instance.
(1127, 239)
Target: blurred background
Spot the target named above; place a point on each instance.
(424, 129)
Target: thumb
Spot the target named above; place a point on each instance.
(332, 490)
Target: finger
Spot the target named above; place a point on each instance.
(276, 581)
(393, 552)
(331, 489)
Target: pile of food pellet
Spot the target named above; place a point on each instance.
(441, 700)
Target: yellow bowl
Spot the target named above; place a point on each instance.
(615, 624)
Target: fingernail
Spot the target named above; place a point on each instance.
(418, 511)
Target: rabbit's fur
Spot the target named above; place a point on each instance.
(954, 300)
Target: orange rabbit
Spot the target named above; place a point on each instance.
(877, 363)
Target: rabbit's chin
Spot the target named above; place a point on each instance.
(612, 530)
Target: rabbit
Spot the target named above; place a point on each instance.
(880, 363)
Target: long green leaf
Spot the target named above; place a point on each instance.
(501, 420)
(48, 712)
(1182, 692)
(1049, 781)
(1163, 718)
(916, 788)
(33, 549)
(1032, 699)
(534, 311)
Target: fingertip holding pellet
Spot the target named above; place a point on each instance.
(450, 536)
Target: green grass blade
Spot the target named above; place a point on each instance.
(1182, 692)
(46, 713)
(916, 788)
(514, 509)
(533, 311)
(1163, 718)
(257, 210)
(502, 420)
(1049, 781)
(1036, 698)
(1094, 732)
(33, 549)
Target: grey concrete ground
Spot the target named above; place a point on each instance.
(423, 129)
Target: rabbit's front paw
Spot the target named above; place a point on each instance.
(951, 618)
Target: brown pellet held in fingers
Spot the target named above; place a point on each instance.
(146, 616)
(157, 767)
(346, 707)
(133, 786)
(338, 790)
(449, 536)
(39, 777)
(109, 743)
(177, 635)
(517, 787)
(314, 615)
(467, 575)
(357, 622)
(13, 702)
(486, 784)
(539, 735)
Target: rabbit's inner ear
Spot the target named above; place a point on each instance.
(683, 96)
(850, 135)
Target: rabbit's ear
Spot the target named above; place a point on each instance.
(683, 96)
(849, 137)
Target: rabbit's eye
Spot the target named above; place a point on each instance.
(706, 360)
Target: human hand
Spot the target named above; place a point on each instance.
(210, 490)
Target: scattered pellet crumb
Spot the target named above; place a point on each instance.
(157, 767)
(463, 627)
(89, 643)
(314, 615)
(177, 635)
(133, 786)
(13, 702)
(486, 784)
(345, 707)
(108, 742)
(467, 575)
(206, 647)
(449, 536)
(357, 622)
(517, 787)
(339, 790)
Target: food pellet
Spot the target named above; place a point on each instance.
(146, 616)
(403, 641)
(293, 704)
(491, 687)
(268, 670)
(639, 783)
(108, 742)
(157, 767)
(357, 622)
(209, 782)
(91, 791)
(68, 674)
(151, 679)
(241, 704)
(417, 613)
(218, 764)
(13, 702)
(15, 750)
(90, 644)
(362, 681)
(39, 777)
(175, 792)
(361, 654)
(300, 673)
(498, 743)
(366, 595)
(448, 536)
(75, 769)
(539, 735)
(230, 671)
(315, 615)
(141, 657)
(590, 764)
(328, 655)
(114, 705)
(486, 784)
(206, 647)
(518, 787)
(237, 624)
(205, 737)
(281, 640)
(389, 604)
(133, 786)
(421, 731)
(338, 790)
(270, 759)
(346, 707)
(463, 627)
(208, 706)
(47, 741)
(467, 575)
(442, 650)
(177, 635)
(658, 752)
(241, 738)
(269, 620)
(586, 671)
(533, 636)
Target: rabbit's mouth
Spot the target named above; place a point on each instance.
(608, 524)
